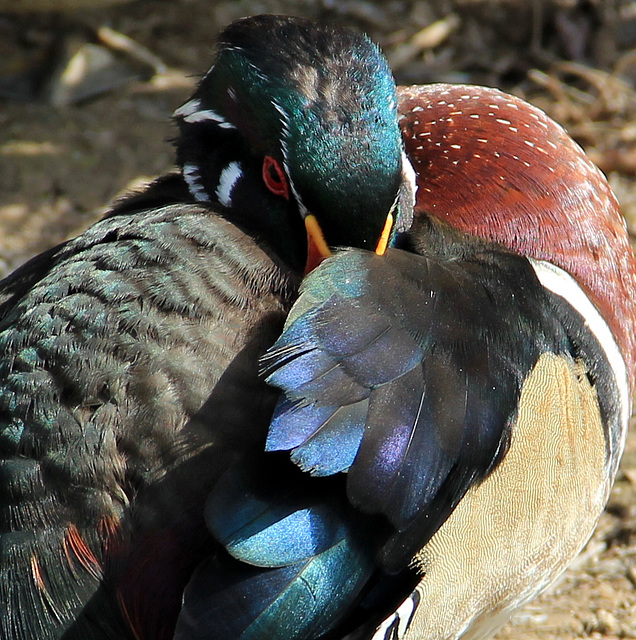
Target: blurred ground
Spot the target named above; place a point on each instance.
(62, 161)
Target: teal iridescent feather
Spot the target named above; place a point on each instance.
(300, 557)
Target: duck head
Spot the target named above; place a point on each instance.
(294, 131)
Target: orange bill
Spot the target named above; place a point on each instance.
(386, 234)
(317, 249)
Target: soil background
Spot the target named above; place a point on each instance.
(69, 146)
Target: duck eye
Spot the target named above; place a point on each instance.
(274, 177)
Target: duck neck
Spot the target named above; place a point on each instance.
(222, 172)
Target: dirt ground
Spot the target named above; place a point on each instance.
(62, 161)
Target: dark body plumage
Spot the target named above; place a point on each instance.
(441, 383)
(125, 352)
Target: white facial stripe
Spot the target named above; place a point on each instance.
(284, 120)
(192, 177)
(563, 284)
(302, 209)
(286, 132)
(188, 109)
(207, 115)
(229, 177)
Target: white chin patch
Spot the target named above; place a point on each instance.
(192, 177)
(229, 177)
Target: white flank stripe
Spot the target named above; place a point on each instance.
(188, 109)
(563, 284)
(408, 173)
(192, 177)
(227, 182)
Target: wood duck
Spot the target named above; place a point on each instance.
(474, 384)
(455, 406)
(129, 356)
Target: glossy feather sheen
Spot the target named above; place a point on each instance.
(319, 101)
(304, 557)
(474, 451)
(303, 600)
(467, 326)
(332, 103)
(269, 518)
(129, 355)
(449, 426)
(111, 376)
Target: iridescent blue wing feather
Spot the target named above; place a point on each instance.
(404, 370)
(230, 599)
(298, 557)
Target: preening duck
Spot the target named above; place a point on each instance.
(280, 395)
(129, 356)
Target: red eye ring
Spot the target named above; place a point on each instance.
(274, 177)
